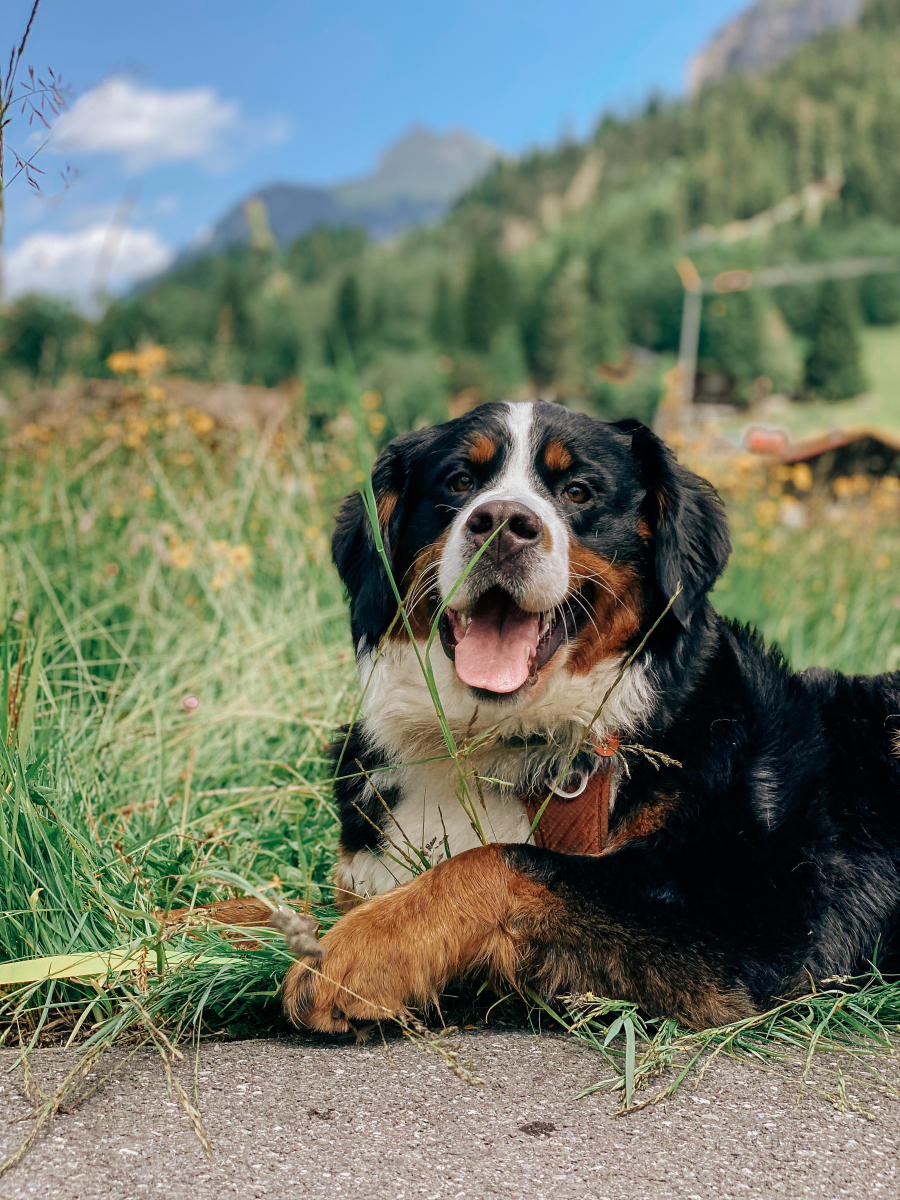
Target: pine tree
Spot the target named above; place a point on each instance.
(731, 338)
(348, 311)
(445, 315)
(487, 298)
(833, 368)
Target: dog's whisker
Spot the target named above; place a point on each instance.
(596, 580)
(588, 613)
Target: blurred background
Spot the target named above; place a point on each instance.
(244, 246)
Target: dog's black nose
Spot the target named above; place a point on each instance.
(521, 526)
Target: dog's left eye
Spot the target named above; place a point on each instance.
(577, 493)
(461, 482)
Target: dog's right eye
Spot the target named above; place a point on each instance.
(461, 482)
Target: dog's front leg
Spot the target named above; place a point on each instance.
(520, 914)
(400, 949)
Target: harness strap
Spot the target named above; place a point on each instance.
(577, 824)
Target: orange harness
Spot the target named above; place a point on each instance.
(577, 824)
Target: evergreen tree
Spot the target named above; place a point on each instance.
(731, 337)
(881, 299)
(559, 341)
(832, 366)
(883, 16)
(348, 311)
(506, 363)
(37, 335)
(445, 315)
(487, 298)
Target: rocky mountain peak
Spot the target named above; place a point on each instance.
(765, 33)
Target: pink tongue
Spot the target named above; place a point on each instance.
(493, 652)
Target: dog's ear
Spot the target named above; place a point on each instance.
(688, 520)
(372, 600)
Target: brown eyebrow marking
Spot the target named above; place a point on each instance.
(557, 456)
(482, 449)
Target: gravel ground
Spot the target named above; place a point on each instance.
(305, 1118)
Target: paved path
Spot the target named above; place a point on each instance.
(296, 1118)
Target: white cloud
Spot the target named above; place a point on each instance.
(72, 264)
(147, 126)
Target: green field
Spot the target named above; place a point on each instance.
(175, 656)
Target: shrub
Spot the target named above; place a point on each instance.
(38, 336)
(833, 368)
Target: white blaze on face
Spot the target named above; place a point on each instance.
(545, 583)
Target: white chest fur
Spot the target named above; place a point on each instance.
(437, 811)
(429, 820)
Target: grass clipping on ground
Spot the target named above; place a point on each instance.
(174, 658)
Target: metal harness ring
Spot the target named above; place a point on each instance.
(558, 791)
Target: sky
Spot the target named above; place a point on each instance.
(176, 110)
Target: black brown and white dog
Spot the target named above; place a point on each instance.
(753, 837)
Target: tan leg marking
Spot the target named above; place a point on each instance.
(474, 912)
(402, 948)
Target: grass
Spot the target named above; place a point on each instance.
(175, 654)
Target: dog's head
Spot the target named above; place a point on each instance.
(585, 531)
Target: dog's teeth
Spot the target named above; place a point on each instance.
(464, 621)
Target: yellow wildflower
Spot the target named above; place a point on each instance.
(149, 360)
(38, 433)
(121, 362)
(221, 578)
(767, 512)
(200, 422)
(802, 477)
(181, 553)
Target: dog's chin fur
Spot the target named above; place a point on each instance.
(401, 720)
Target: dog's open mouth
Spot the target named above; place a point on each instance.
(497, 646)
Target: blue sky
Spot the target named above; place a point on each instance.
(204, 101)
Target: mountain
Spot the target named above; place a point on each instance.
(765, 34)
(555, 273)
(415, 182)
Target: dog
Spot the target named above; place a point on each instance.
(720, 831)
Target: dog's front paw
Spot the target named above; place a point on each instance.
(350, 979)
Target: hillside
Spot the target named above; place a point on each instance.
(555, 275)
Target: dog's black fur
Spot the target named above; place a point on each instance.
(777, 861)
